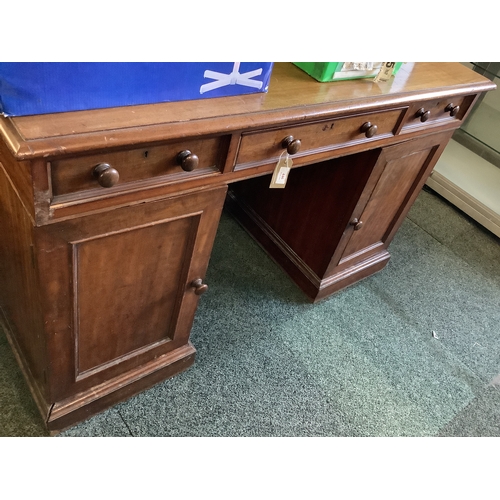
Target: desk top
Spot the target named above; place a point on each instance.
(293, 96)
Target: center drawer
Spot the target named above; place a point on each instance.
(159, 164)
(266, 146)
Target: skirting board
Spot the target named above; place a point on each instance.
(465, 202)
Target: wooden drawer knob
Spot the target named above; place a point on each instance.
(199, 287)
(187, 160)
(357, 224)
(106, 175)
(369, 129)
(453, 110)
(424, 115)
(292, 145)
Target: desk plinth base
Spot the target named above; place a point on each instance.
(79, 407)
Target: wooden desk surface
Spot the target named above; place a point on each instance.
(292, 95)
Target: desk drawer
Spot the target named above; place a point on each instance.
(266, 147)
(437, 112)
(156, 164)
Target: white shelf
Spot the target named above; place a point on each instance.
(469, 182)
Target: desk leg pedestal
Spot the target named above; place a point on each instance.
(81, 406)
(333, 222)
(100, 307)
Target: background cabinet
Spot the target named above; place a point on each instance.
(468, 172)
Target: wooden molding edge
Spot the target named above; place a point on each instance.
(353, 274)
(85, 404)
(41, 403)
(273, 244)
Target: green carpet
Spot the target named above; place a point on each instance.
(363, 362)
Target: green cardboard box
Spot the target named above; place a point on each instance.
(333, 71)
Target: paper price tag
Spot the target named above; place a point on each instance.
(385, 72)
(281, 171)
(282, 176)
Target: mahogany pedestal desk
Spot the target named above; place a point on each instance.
(107, 217)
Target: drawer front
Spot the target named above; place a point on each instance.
(265, 147)
(437, 112)
(155, 164)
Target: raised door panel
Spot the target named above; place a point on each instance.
(138, 272)
(404, 170)
(117, 286)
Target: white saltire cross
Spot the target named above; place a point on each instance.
(234, 78)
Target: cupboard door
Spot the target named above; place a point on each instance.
(118, 286)
(402, 171)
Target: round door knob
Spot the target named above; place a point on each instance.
(369, 129)
(187, 160)
(357, 224)
(424, 115)
(292, 145)
(199, 287)
(106, 175)
(453, 110)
